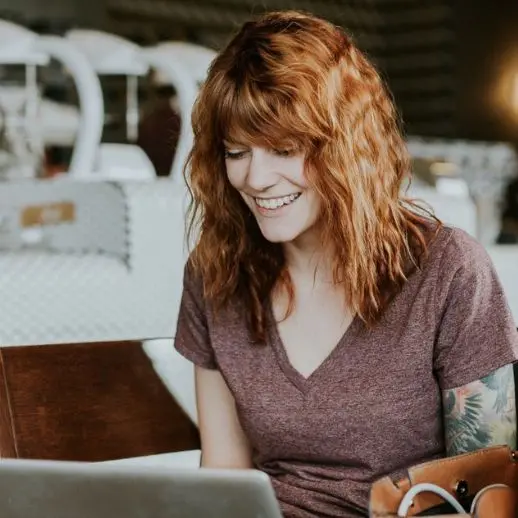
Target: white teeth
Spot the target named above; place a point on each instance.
(275, 203)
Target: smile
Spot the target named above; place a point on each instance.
(275, 203)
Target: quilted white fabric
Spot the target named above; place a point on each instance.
(128, 288)
(100, 226)
(176, 373)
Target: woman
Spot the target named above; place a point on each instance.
(339, 333)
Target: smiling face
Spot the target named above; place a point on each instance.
(273, 185)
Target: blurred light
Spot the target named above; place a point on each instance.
(514, 93)
(504, 93)
(444, 169)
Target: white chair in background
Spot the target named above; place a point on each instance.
(19, 46)
(438, 184)
(179, 64)
(459, 211)
(108, 54)
(184, 66)
(78, 262)
(485, 167)
(96, 261)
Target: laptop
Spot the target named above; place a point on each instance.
(58, 489)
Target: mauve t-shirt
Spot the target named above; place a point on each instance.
(373, 407)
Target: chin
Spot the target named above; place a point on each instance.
(280, 235)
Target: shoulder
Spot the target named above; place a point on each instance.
(454, 252)
(193, 277)
(463, 250)
(475, 332)
(193, 292)
(457, 263)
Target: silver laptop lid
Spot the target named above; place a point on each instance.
(48, 489)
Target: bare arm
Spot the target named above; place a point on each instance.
(223, 442)
(481, 414)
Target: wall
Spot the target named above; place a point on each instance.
(419, 62)
(75, 12)
(412, 41)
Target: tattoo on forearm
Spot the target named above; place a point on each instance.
(481, 414)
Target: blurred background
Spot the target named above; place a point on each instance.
(94, 100)
(452, 65)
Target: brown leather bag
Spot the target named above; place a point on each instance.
(484, 482)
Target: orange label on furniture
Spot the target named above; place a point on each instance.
(48, 214)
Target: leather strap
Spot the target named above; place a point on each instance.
(478, 469)
(497, 503)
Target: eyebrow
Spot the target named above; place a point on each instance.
(230, 143)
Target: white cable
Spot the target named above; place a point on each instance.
(407, 501)
(481, 492)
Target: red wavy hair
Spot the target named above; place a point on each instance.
(285, 79)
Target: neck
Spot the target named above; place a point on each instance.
(308, 261)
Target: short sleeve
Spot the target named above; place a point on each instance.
(476, 331)
(192, 338)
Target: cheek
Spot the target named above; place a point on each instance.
(316, 204)
(312, 198)
(313, 204)
(297, 173)
(235, 174)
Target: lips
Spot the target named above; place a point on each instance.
(276, 203)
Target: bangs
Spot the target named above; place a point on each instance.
(254, 114)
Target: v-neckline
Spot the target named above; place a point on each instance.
(300, 381)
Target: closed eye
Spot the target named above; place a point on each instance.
(234, 155)
(283, 152)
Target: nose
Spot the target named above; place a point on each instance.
(261, 172)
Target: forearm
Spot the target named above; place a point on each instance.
(481, 414)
